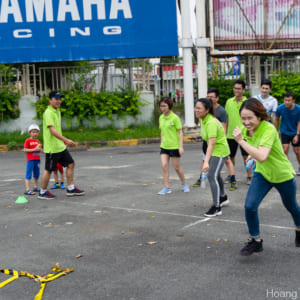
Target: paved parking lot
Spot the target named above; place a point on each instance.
(136, 244)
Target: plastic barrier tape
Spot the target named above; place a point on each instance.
(44, 279)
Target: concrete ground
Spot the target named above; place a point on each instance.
(136, 244)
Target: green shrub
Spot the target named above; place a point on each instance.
(283, 81)
(92, 106)
(9, 104)
(225, 87)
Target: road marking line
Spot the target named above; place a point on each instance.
(107, 167)
(218, 219)
(195, 223)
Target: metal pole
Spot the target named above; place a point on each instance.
(186, 45)
(202, 42)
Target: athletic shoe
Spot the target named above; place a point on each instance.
(249, 180)
(252, 246)
(46, 196)
(213, 212)
(223, 201)
(233, 186)
(197, 183)
(298, 172)
(227, 179)
(75, 192)
(185, 188)
(62, 186)
(55, 186)
(165, 191)
(297, 238)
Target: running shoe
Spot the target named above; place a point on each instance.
(165, 191)
(252, 246)
(75, 192)
(46, 196)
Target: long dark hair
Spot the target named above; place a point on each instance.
(256, 106)
(207, 103)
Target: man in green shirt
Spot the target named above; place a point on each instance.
(55, 148)
(232, 108)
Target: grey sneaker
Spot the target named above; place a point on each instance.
(249, 180)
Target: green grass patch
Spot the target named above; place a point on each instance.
(91, 134)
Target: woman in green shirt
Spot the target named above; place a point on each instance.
(260, 139)
(217, 152)
(171, 144)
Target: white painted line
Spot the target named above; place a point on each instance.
(195, 223)
(217, 219)
(11, 180)
(107, 167)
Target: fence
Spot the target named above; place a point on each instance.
(139, 74)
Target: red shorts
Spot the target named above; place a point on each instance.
(59, 167)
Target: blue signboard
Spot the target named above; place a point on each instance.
(69, 30)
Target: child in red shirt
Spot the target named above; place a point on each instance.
(33, 148)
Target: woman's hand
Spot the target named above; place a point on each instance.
(181, 151)
(237, 134)
(205, 167)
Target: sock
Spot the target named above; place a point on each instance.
(232, 178)
(71, 187)
(42, 191)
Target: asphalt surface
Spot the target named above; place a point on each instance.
(136, 244)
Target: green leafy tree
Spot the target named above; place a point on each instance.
(283, 81)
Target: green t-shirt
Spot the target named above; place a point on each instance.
(52, 144)
(212, 128)
(169, 127)
(276, 168)
(233, 112)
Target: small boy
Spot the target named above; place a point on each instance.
(33, 148)
(59, 168)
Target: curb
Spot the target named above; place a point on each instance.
(84, 146)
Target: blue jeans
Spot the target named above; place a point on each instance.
(258, 189)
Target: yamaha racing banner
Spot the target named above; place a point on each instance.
(70, 30)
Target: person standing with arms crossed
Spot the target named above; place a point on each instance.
(260, 139)
(220, 113)
(55, 148)
(232, 108)
(289, 112)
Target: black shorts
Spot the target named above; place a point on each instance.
(204, 146)
(64, 158)
(287, 139)
(171, 153)
(233, 145)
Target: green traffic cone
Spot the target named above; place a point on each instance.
(21, 200)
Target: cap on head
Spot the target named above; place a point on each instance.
(33, 126)
(56, 94)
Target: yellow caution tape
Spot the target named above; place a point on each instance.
(42, 279)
